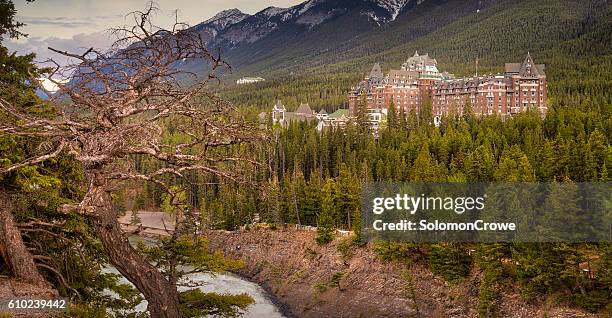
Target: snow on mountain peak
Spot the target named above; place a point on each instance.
(308, 4)
(272, 11)
(227, 17)
(394, 7)
(232, 27)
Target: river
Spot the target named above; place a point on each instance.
(224, 284)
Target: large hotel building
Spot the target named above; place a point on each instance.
(521, 87)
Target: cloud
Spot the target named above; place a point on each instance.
(58, 22)
(78, 43)
(74, 25)
(67, 22)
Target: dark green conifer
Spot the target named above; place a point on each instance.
(325, 222)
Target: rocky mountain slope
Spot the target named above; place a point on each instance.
(319, 33)
(317, 27)
(312, 27)
(231, 28)
(221, 21)
(343, 38)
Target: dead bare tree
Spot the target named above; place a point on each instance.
(120, 102)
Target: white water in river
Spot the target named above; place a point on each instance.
(225, 284)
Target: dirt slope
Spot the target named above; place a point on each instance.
(300, 273)
(14, 289)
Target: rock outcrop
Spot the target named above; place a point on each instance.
(320, 281)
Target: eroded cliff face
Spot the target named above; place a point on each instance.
(319, 281)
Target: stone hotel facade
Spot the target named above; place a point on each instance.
(521, 87)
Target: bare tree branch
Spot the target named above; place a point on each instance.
(60, 277)
(137, 100)
(35, 160)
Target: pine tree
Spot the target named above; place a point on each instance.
(298, 186)
(450, 260)
(604, 173)
(605, 276)
(578, 153)
(412, 121)
(402, 121)
(392, 121)
(357, 227)
(425, 111)
(525, 171)
(546, 162)
(595, 156)
(514, 167)
(561, 215)
(489, 257)
(468, 112)
(424, 167)
(479, 164)
(325, 222)
(366, 172)
(274, 204)
(362, 117)
(346, 196)
(310, 204)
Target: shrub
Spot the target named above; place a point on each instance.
(344, 248)
(392, 251)
(335, 279)
(320, 287)
(309, 253)
(451, 261)
(195, 303)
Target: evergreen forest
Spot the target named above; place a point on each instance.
(300, 176)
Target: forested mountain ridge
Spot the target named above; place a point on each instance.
(457, 31)
(308, 56)
(303, 17)
(505, 32)
(348, 36)
(315, 27)
(571, 37)
(312, 26)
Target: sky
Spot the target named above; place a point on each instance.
(80, 24)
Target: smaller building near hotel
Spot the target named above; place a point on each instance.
(250, 80)
(338, 119)
(282, 117)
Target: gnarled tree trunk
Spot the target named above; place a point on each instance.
(161, 295)
(13, 250)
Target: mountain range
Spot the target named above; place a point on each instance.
(232, 28)
(337, 41)
(315, 27)
(319, 33)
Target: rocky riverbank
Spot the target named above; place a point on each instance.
(315, 281)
